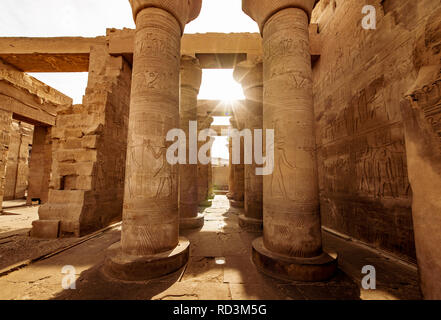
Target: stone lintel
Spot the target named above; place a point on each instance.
(71, 54)
(214, 50)
(60, 54)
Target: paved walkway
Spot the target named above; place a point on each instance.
(13, 203)
(220, 268)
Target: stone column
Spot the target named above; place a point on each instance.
(250, 75)
(5, 139)
(230, 193)
(40, 165)
(237, 197)
(423, 150)
(150, 244)
(291, 246)
(204, 122)
(191, 77)
(211, 194)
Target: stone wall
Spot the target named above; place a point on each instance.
(17, 168)
(5, 137)
(40, 165)
(359, 81)
(89, 150)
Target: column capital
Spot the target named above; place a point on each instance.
(191, 73)
(183, 11)
(249, 74)
(260, 11)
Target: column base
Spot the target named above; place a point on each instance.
(206, 203)
(236, 204)
(133, 268)
(192, 223)
(314, 269)
(250, 224)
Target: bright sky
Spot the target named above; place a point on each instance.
(90, 18)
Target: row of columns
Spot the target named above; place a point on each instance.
(250, 75)
(278, 91)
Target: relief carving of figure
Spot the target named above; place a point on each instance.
(164, 173)
(282, 163)
(383, 172)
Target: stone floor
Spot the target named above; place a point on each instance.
(13, 203)
(220, 268)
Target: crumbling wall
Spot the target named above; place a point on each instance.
(359, 81)
(17, 168)
(89, 150)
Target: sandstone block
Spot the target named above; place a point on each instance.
(45, 229)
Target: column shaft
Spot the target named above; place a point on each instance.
(291, 203)
(250, 75)
(238, 168)
(191, 75)
(150, 216)
(203, 185)
(291, 246)
(253, 200)
(230, 193)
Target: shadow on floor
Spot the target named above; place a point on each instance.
(220, 268)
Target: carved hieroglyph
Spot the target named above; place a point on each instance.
(191, 77)
(150, 216)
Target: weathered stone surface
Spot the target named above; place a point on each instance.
(291, 245)
(135, 268)
(358, 86)
(45, 229)
(17, 168)
(150, 218)
(88, 147)
(5, 138)
(72, 54)
(182, 11)
(150, 234)
(61, 54)
(290, 194)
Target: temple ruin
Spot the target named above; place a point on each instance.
(356, 179)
